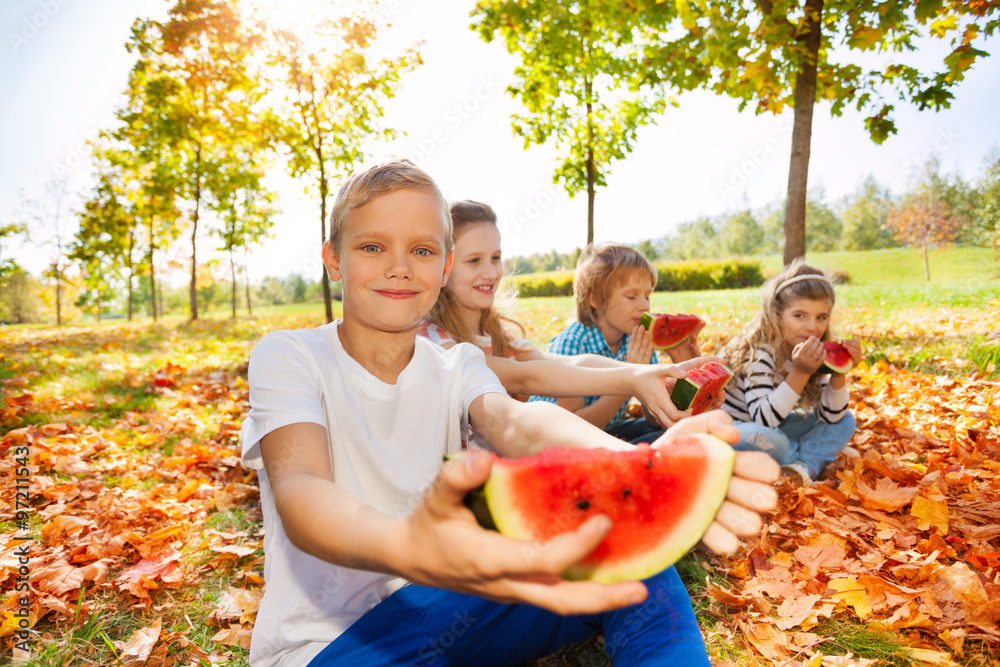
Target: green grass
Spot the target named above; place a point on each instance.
(903, 265)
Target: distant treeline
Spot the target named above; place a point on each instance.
(871, 218)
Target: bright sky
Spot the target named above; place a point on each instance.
(63, 66)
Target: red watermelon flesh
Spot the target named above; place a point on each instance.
(669, 331)
(838, 359)
(660, 501)
(699, 389)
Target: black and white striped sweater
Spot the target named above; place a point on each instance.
(753, 396)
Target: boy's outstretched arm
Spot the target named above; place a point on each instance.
(651, 384)
(439, 544)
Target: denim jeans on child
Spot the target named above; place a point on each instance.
(432, 627)
(804, 438)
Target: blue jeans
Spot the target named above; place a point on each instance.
(636, 431)
(809, 440)
(430, 626)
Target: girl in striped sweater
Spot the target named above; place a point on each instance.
(782, 401)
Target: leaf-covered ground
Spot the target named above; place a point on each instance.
(142, 534)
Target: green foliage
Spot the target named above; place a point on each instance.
(20, 298)
(551, 283)
(774, 55)
(728, 274)
(672, 277)
(863, 214)
(581, 80)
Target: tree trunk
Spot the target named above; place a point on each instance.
(246, 277)
(805, 101)
(193, 294)
(152, 268)
(927, 266)
(131, 272)
(327, 297)
(232, 275)
(590, 167)
(58, 275)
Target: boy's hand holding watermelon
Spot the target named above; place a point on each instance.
(453, 551)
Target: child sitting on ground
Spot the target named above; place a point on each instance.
(783, 402)
(611, 288)
(371, 557)
(466, 312)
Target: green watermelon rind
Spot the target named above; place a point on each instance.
(646, 321)
(503, 514)
(684, 391)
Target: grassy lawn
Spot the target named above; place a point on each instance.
(133, 435)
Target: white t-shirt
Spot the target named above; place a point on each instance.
(386, 445)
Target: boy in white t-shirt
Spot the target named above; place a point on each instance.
(371, 557)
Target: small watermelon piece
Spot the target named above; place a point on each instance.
(660, 501)
(838, 359)
(699, 389)
(669, 331)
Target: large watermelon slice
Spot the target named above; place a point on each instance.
(669, 331)
(838, 360)
(699, 389)
(660, 501)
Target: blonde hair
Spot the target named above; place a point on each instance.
(376, 181)
(446, 312)
(600, 269)
(764, 330)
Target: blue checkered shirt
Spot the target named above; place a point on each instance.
(582, 339)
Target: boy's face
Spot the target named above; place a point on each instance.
(625, 306)
(392, 260)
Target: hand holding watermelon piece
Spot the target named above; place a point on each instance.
(669, 331)
(701, 388)
(838, 358)
(661, 499)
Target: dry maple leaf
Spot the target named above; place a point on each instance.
(137, 649)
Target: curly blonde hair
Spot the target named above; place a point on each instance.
(446, 313)
(764, 330)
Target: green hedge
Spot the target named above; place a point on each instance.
(672, 277)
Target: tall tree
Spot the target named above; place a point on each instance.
(48, 218)
(8, 263)
(104, 243)
(776, 54)
(196, 67)
(986, 231)
(246, 211)
(741, 234)
(864, 213)
(926, 218)
(823, 228)
(578, 81)
(334, 95)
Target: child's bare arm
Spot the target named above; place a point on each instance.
(651, 384)
(314, 510)
(439, 544)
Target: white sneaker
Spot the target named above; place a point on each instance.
(798, 469)
(851, 453)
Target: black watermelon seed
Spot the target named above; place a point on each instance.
(626, 493)
(583, 504)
